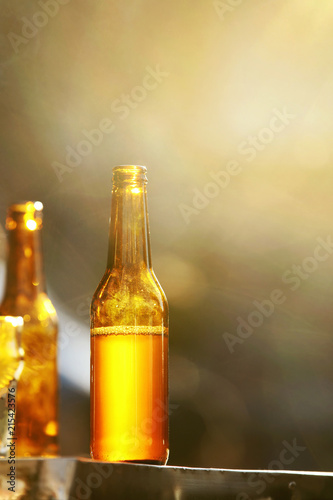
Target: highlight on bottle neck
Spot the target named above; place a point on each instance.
(129, 175)
(129, 242)
(27, 215)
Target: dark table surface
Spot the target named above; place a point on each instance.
(84, 479)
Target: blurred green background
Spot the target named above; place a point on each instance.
(229, 105)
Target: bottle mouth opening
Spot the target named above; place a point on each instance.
(27, 214)
(129, 173)
(24, 207)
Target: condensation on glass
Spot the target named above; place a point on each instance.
(25, 295)
(129, 337)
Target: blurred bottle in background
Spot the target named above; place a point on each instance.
(25, 295)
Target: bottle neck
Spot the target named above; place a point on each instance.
(25, 274)
(129, 239)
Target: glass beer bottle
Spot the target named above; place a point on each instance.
(129, 337)
(25, 295)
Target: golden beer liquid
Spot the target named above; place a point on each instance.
(129, 396)
(8, 361)
(37, 394)
(11, 353)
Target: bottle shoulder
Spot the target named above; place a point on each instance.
(160, 289)
(37, 310)
(126, 281)
(129, 297)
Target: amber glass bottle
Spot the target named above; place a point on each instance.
(25, 295)
(129, 337)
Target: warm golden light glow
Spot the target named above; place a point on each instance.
(38, 205)
(27, 251)
(38, 381)
(222, 68)
(10, 224)
(130, 398)
(49, 306)
(31, 224)
(14, 320)
(51, 429)
(29, 206)
(10, 355)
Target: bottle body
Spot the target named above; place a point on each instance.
(129, 341)
(25, 295)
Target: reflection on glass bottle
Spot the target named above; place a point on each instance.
(25, 295)
(129, 337)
